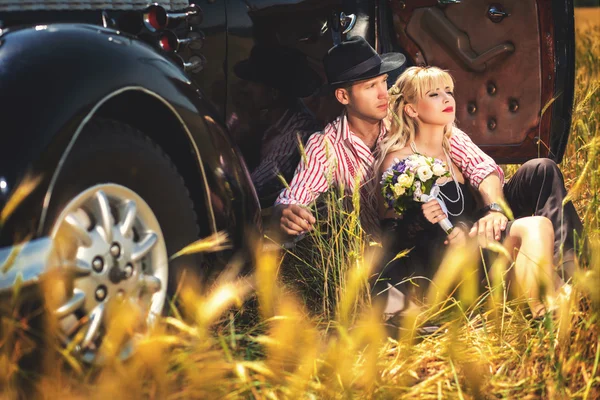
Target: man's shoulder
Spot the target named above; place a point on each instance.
(304, 120)
(329, 131)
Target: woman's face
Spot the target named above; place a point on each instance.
(436, 107)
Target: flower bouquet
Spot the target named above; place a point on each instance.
(411, 181)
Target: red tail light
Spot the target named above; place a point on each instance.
(168, 41)
(155, 18)
(165, 44)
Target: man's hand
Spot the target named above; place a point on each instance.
(294, 219)
(457, 237)
(489, 228)
(433, 211)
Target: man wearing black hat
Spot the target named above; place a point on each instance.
(357, 75)
(274, 79)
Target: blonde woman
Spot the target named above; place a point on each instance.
(421, 119)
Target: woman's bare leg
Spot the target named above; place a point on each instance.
(534, 272)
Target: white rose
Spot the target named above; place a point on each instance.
(424, 173)
(405, 180)
(438, 169)
(398, 190)
(423, 161)
(412, 163)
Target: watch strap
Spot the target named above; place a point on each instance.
(491, 207)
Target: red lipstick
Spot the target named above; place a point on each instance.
(448, 109)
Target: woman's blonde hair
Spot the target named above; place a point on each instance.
(410, 87)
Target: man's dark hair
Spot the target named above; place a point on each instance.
(346, 85)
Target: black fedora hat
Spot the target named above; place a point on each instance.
(355, 60)
(279, 67)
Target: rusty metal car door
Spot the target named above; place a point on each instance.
(512, 61)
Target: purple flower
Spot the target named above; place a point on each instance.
(400, 167)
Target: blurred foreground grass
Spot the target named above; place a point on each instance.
(487, 349)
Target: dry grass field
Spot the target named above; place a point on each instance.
(255, 339)
(587, 17)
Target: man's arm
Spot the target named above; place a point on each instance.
(472, 161)
(484, 174)
(308, 183)
(491, 189)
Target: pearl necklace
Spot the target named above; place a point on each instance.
(459, 192)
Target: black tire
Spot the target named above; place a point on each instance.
(113, 152)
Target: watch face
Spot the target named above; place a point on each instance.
(495, 207)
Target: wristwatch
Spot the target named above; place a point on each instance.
(493, 207)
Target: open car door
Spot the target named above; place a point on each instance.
(513, 63)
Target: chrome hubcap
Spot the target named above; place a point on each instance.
(110, 237)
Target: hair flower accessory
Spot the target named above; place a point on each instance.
(394, 91)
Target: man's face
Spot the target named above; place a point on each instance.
(368, 99)
(251, 97)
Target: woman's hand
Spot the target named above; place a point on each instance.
(433, 211)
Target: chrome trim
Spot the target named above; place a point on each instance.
(95, 5)
(496, 13)
(88, 117)
(4, 189)
(119, 255)
(347, 22)
(22, 265)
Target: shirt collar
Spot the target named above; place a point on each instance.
(343, 129)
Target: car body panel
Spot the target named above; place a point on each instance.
(24, 265)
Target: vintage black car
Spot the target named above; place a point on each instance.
(123, 137)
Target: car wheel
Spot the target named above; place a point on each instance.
(119, 209)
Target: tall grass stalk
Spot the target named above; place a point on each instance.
(332, 263)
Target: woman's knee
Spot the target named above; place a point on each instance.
(535, 228)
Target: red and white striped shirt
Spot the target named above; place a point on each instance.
(335, 156)
(471, 160)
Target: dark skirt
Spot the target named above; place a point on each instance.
(413, 250)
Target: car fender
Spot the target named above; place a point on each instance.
(55, 78)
